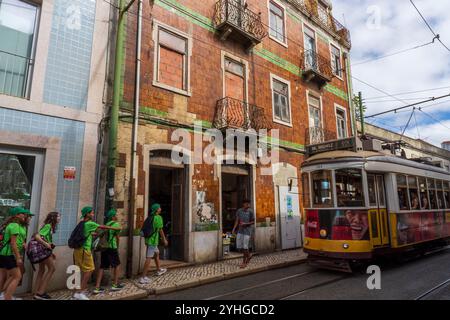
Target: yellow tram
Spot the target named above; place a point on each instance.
(362, 204)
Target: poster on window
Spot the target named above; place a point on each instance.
(69, 173)
(419, 226)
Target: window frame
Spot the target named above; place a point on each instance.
(228, 56)
(341, 109)
(318, 97)
(157, 26)
(283, 8)
(288, 83)
(340, 75)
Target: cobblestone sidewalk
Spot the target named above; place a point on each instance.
(191, 276)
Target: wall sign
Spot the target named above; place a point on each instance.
(70, 173)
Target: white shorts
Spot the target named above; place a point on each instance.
(242, 241)
(151, 250)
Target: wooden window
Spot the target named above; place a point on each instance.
(277, 22)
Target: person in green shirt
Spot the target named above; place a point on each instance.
(152, 243)
(110, 256)
(46, 267)
(12, 251)
(83, 257)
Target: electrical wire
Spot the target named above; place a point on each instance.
(408, 93)
(433, 118)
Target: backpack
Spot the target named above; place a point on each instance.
(101, 243)
(77, 238)
(37, 252)
(147, 229)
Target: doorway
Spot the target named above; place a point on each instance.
(378, 211)
(20, 186)
(236, 187)
(167, 188)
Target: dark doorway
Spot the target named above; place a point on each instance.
(167, 189)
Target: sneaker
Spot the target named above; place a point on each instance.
(144, 280)
(80, 296)
(47, 296)
(98, 290)
(117, 287)
(161, 271)
(44, 296)
(2, 296)
(16, 298)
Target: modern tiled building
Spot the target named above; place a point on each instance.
(281, 65)
(53, 61)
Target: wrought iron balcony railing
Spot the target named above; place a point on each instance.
(318, 135)
(236, 114)
(14, 74)
(231, 18)
(316, 68)
(324, 18)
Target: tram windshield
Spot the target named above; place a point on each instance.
(349, 188)
(322, 189)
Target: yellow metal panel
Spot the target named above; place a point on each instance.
(376, 241)
(337, 245)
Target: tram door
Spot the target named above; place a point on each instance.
(378, 212)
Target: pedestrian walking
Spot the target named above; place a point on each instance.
(110, 256)
(46, 267)
(245, 218)
(152, 232)
(81, 241)
(12, 251)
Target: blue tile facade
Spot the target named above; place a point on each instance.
(72, 135)
(69, 55)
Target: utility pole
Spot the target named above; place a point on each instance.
(361, 113)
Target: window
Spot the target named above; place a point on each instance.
(18, 32)
(341, 124)
(447, 194)
(336, 61)
(306, 193)
(322, 192)
(314, 112)
(235, 80)
(371, 182)
(414, 193)
(172, 64)
(349, 188)
(440, 194)
(432, 192)
(310, 48)
(424, 199)
(277, 22)
(402, 192)
(281, 107)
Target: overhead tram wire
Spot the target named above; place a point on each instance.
(437, 36)
(408, 93)
(433, 118)
(380, 90)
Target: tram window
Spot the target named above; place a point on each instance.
(381, 199)
(322, 195)
(349, 188)
(413, 193)
(447, 194)
(440, 194)
(432, 192)
(306, 193)
(402, 191)
(371, 181)
(424, 199)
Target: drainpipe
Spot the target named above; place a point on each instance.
(350, 95)
(133, 173)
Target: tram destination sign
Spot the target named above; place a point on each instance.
(349, 144)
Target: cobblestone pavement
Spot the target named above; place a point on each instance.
(191, 276)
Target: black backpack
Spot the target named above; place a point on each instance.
(147, 229)
(77, 238)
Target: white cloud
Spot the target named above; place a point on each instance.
(429, 67)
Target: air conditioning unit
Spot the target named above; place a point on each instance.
(372, 145)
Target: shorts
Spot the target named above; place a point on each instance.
(84, 260)
(242, 241)
(109, 259)
(151, 250)
(8, 262)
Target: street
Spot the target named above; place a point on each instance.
(424, 278)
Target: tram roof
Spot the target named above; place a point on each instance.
(331, 155)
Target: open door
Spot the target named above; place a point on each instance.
(289, 218)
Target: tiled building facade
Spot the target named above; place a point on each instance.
(53, 67)
(278, 64)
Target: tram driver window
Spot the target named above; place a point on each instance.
(349, 188)
(322, 195)
(402, 191)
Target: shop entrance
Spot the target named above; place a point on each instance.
(20, 184)
(236, 186)
(167, 187)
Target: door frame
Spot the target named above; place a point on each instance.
(36, 190)
(380, 212)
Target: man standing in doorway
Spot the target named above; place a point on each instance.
(245, 218)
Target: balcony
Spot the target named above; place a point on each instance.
(324, 18)
(237, 22)
(318, 135)
(14, 74)
(235, 114)
(316, 68)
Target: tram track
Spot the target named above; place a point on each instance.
(433, 290)
(319, 285)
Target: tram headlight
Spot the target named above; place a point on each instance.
(323, 233)
(346, 246)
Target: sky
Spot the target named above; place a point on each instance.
(382, 27)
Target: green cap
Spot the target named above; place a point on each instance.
(111, 213)
(13, 211)
(86, 210)
(19, 210)
(25, 211)
(155, 208)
